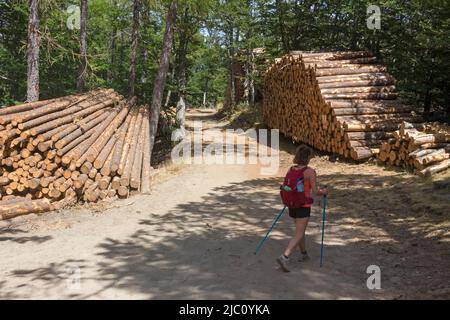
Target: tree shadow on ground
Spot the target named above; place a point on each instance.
(19, 239)
(205, 249)
(35, 239)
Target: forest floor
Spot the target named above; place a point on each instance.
(194, 238)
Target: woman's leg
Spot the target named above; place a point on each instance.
(302, 243)
(300, 227)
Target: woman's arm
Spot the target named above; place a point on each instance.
(311, 175)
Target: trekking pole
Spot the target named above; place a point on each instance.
(323, 227)
(270, 229)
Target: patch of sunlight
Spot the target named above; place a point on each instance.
(320, 295)
(407, 219)
(352, 220)
(279, 237)
(336, 242)
(344, 298)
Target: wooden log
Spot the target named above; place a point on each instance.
(373, 110)
(435, 156)
(112, 193)
(439, 167)
(58, 105)
(353, 77)
(67, 115)
(338, 55)
(92, 173)
(92, 193)
(104, 154)
(364, 96)
(71, 127)
(106, 168)
(81, 130)
(357, 83)
(337, 63)
(70, 118)
(115, 183)
(45, 182)
(86, 167)
(123, 191)
(80, 181)
(431, 138)
(408, 126)
(354, 89)
(80, 150)
(4, 181)
(367, 118)
(122, 142)
(420, 153)
(26, 106)
(106, 135)
(126, 175)
(127, 143)
(136, 170)
(146, 165)
(104, 182)
(432, 145)
(14, 209)
(364, 143)
(70, 146)
(377, 135)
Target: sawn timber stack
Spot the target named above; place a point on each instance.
(83, 147)
(340, 102)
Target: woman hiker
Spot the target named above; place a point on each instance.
(301, 215)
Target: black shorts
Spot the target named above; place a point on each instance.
(300, 212)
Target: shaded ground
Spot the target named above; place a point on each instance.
(194, 237)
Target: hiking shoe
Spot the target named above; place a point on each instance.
(304, 257)
(283, 261)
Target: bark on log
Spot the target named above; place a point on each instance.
(14, 209)
(106, 135)
(126, 174)
(146, 165)
(121, 140)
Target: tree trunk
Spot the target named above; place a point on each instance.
(427, 104)
(160, 80)
(280, 15)
(110, 73)
(33, 52)
(134, 46)
(232, 101)
(181, 56)
(145, 52)
(82, 71)
(205, 92)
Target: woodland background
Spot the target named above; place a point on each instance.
(414, 42)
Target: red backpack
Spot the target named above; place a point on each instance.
(292, 191)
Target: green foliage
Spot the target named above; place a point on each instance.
(413, 42)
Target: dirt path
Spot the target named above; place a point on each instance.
(194, 237)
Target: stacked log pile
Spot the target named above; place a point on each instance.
(340, 102)
(422, 148)
(84, 147)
